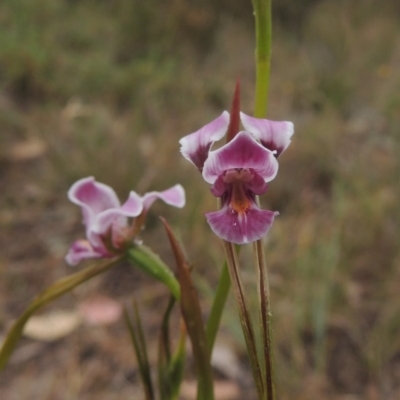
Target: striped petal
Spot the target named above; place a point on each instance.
(174, 196)
(274, 135)
(242, 152)
(105, 220)
(195, 147)
(241, 228)
(93, 198)
(83, 250)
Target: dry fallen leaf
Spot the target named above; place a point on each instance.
(223, 390)
(225, 361)
(27, 150)
(52, 326)
(100, 310)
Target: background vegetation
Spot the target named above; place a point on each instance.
(107, 88)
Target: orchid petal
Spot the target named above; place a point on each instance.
(174, 196)
(195, 147)
(111, 217)
(243, 151)
(219, 187)
(82, 250)
(241, 228)
(274, 135)
(93, 198)
(257, 185)
(133, 206)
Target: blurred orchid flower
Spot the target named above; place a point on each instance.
(238, 171)
(108, 232)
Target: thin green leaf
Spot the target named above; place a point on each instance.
(54, 291)
(165, 329)
(170, 366)
(221, 294)
(150, 263)
(191, 313)
(139, 344)
(162, 370)
(164, 353)
(176, 366)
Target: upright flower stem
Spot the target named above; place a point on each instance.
(263, 20)
(245, 318)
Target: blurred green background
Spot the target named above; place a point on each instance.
(107, 88)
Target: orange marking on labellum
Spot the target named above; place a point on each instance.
(239, 201)
(237, 177)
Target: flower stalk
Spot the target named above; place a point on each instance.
(265, 316)
(263, 26)
(245, 318)
(263, 22)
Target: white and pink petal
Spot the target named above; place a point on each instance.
(274, 135)
(93, 198)
(219, 187)
(257, 185)
(174, 196)
(133, 206)
(83, 250)
(116, 217)
(195, 147)
(241, 228)
(242, 152)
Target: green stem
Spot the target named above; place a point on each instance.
(150, 263)
(263, 20)
(220, 298)
(56, 290)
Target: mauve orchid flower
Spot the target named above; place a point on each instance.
(238, 171)
(106, 220)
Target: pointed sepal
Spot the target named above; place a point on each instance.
(234, 121)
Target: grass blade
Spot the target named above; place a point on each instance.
(221, 294)
(164, 353)
(176, 367)
(139, 344)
